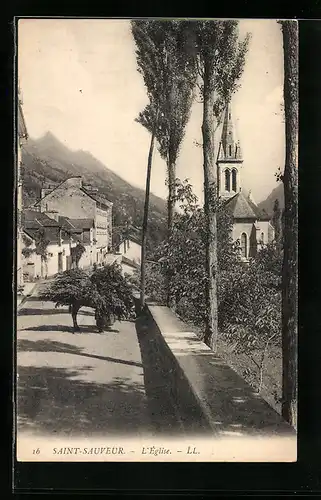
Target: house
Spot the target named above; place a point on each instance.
(75, 200)
(30, 260)
(130, 247)
(22, 138)
(251, 226)
(128, 267)
(82, 233)
(46, 239)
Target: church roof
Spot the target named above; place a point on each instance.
(242, 207)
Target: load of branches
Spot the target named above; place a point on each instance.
(105, 290)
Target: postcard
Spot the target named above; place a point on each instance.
(156, 276)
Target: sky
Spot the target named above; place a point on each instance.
(79, 80)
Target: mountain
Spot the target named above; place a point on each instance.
(268, 203)
(47, 162)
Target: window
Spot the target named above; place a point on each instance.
(230, 150)
(227, 180)
(244, 245)
(234, 174)
(262, 238)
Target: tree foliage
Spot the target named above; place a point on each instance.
(222, 53)
(42, 243)
(170, 59)
(249, 295)
(166, 59)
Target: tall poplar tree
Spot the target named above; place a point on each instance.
(176, 78)
(290, 227)
(221, 58)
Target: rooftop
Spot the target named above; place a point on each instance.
(76, 224)
(98, 197)
(38, 218)
(241, 207)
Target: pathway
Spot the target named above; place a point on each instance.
(86, 383)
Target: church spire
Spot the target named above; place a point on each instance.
(229, 147)
(229, 158)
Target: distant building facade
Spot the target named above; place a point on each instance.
(21, 139)
(130, 247)
(56, 253)
(251, 226)
(74, 200)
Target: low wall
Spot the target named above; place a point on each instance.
(206, 394)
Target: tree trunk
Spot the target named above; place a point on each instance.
(290, 242)
(145, 218)
(171, 173)
(73, 309)
(210, 208)
(170, 223)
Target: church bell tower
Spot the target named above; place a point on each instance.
(229, 159)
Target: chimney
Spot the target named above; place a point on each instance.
(53, 214)
(90, 189)
(45, 191)
(75, 181)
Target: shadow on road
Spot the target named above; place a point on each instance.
(67, 329)
(25, 345)
(29, 311)
(56, 400)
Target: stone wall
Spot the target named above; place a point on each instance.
(205, 393)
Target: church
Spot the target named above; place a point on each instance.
(251, 226)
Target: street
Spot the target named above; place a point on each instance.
(86, 383)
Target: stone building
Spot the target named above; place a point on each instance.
(73, 199)
(21, 139)
(39, 226)
(251, 226)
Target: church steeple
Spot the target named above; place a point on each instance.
(229, 158)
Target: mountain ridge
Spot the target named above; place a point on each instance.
(268, 203)
(46, 162)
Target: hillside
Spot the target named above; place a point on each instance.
(268, 203)
(47, 162)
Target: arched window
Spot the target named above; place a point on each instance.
(244, 245)
(230, 150)
(227, 180)
(234, 174)
(262, 238)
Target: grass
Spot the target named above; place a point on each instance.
(246, 367)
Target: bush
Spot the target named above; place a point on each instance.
(249, 295)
